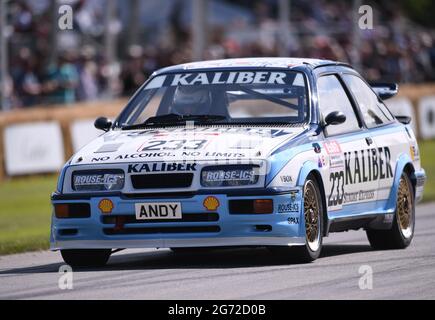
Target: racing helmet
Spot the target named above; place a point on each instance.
(191, 100)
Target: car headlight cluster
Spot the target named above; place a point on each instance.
(103, 180)
(229, 176)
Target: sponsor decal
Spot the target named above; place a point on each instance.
(415, 155)
(292, 206)
(317, 148)
(94, 179)
(144, 155)
(322, 161)
(211, 203)
(128, 156)
(286, 179)
(210, 132)
(368, 165)
(336, 161)
(105, 206)
(288, 207)
(332, 147)
(229, 175)
(100, 159)
(236, 77)
(161, 167)
(360, 166)
(224, 154)
(176, 144)
(293, 220)
(359, 196)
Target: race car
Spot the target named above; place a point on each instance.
(260, 152)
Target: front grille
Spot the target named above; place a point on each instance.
(153, 195)
(157, 230)
(161, 180)
(187, 217)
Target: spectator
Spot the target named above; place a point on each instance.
(63, 80)
(133, 74)
(88, 74)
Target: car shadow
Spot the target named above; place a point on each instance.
(213, 259)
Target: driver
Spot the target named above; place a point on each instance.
(191, 100)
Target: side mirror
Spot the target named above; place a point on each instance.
(334, 118)
(102, 123)
(404, 119)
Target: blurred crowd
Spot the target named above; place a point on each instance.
(396, 49)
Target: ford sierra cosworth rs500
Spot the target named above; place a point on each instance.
(268, 152)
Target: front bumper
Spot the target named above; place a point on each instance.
(280, 228)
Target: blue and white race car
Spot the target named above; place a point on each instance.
(274, 152)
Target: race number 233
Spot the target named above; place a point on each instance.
(173, 145)
(336, 194)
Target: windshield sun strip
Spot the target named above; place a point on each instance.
(124, 125)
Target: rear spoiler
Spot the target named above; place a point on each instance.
(385, 90)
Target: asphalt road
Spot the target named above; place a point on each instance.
(237, 274)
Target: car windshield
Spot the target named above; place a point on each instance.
(222, 97)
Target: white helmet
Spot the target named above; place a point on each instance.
(191, 100)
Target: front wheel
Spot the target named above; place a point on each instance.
(83, 258)
(313, 216)
(401, 233)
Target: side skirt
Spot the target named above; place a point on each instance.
(380, 221)
(375, 215)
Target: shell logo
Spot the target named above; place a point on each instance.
(106, 206)
(211, 203)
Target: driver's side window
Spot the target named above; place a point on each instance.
(373, 111)
(332, 97)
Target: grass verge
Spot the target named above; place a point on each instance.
(25, 213)
(427, 153)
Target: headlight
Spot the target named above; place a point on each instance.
(103, 180)
(229, 176)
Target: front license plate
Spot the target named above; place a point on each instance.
(158, 210)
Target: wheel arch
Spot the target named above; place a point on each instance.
(404, 164)
(311, 169)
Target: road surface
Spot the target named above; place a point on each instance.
(238, 274)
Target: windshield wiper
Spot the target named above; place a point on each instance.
(172, 118)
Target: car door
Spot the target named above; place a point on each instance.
(389, 137)
(349, 185)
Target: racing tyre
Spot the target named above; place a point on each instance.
(402, 231)
(313, 213)
(83, 258)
